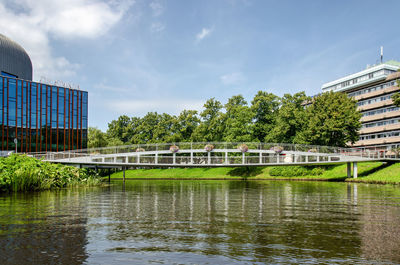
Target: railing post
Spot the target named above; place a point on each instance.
(174, 158)
(243, 158)
(277, 158)
(226, 158)
(138, 159)
(260, 157)
(191, 158)
(209, 158)
(156, 160)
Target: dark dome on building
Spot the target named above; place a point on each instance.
(14, 60)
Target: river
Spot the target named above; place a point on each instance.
(203, 222)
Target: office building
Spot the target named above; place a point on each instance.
(372, 88)
(36, 116)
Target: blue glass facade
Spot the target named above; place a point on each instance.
(42, 117)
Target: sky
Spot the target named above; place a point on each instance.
(137, 56)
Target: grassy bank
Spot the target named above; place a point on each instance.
(372, 172)
(22, 173)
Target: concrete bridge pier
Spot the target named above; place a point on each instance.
(348, 169)
(355, 171)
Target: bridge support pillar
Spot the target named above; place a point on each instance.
(355, 171)
(348, 169)
(123, 174)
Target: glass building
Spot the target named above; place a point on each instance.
(39, 117)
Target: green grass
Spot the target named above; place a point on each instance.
(390, 174)
(330, 173)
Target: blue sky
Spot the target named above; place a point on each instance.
(136, 56)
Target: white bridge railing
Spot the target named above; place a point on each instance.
(212, 154)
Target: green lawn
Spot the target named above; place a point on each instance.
(386, 175)
(367, 172)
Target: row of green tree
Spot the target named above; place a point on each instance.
(327, 119)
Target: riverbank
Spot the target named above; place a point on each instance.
(23, 173)
(368, 172)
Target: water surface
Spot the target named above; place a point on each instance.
(203, 222)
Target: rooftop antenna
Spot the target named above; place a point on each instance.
(381, 54)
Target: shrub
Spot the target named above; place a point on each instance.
(295, 171)
(23, 173)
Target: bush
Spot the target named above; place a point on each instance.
(23, 173)
(295, 171)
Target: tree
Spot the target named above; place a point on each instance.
(211, 127)
(186, 124)
(264, 106)
(290, 119)
(96, 138)
(144, 131)
(396, 99)
(120, 129)
(332, 119)
(238, 120)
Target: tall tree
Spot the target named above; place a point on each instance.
(396, 96)
(290, 119)
(238, 120)
(211, 127)
(332, 119)
(264, 106)
(121, 128)
(96, 138)
(186, 124)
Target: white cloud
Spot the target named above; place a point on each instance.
(157, 27)
(157, 8)
(33, 22)
(142, 106)
(232, 79)
(203, 33)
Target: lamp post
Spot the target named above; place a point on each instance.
(16, 144)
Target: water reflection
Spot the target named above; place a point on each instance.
(222, 222)
(42, 228)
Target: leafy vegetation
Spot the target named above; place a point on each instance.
(296, 171)
(23, 173)
(328, 119)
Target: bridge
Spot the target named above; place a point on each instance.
(216, 154)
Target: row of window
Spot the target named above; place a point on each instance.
(40, 140)
(360, 79)
(380, 123)
(380, 135)
(372, 89)
(33, 105)
(42, 117)
(379, 111)
(374, 100)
